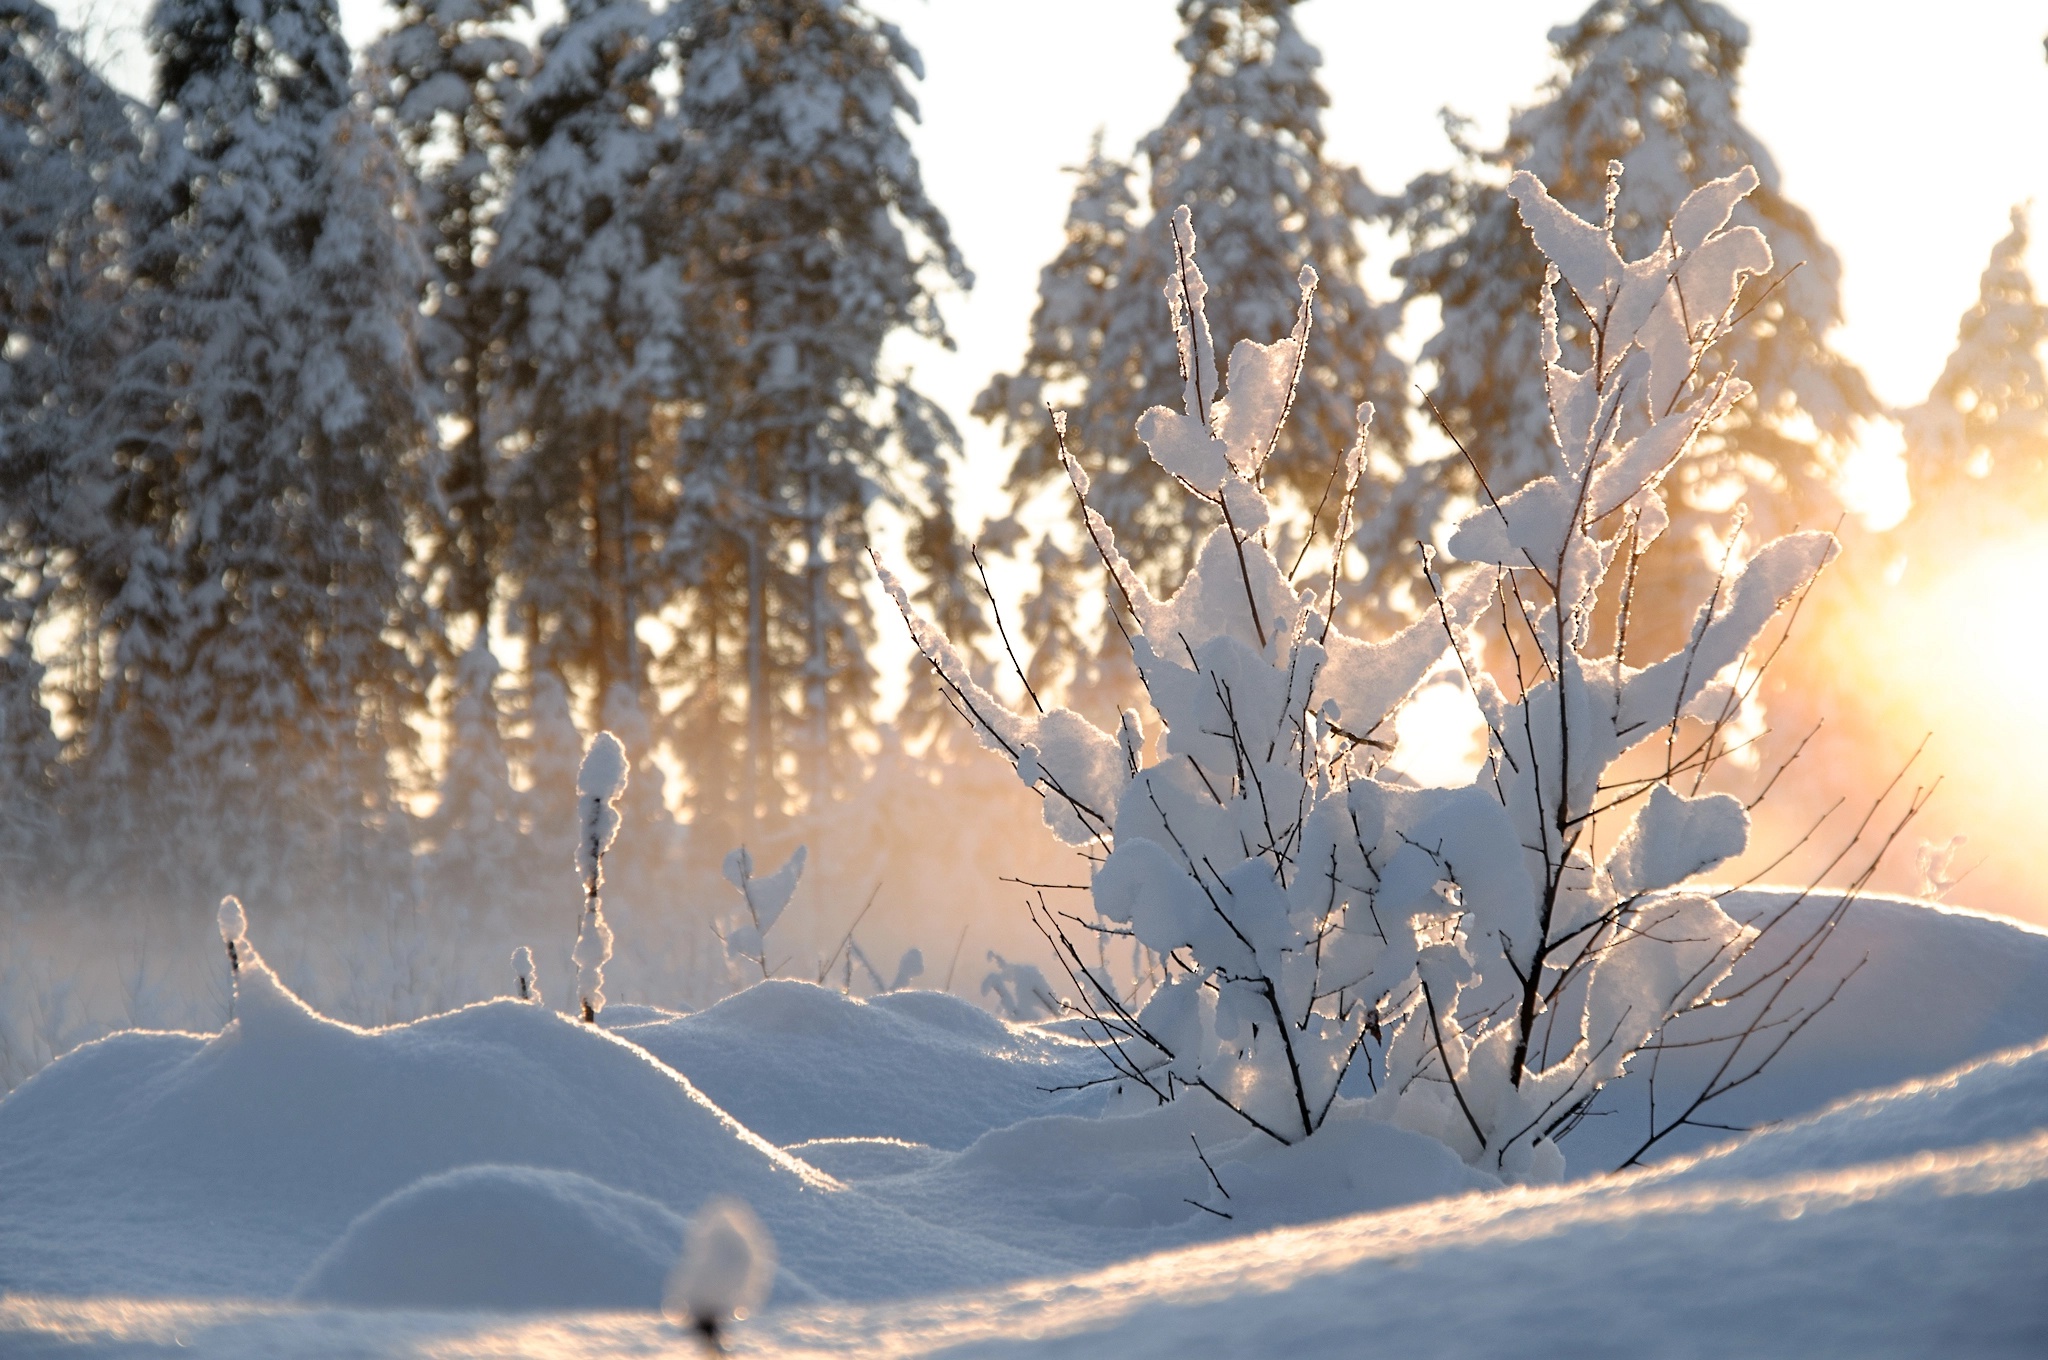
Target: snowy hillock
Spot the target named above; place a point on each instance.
(1932, 987)
(505, 1157)
(183, 1164)
(1811, 1241)
(1997, 1099)
(507, 1238)
(796, 1062)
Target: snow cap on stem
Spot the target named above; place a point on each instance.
(599, 785)
(528, 977)
(234, 930)
(727, 1268)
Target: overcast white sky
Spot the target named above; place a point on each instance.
(1907, 130)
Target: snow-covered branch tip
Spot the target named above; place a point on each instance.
(525, 976)
(726, 1271)
(765, 899)
(234, 933)
(600, 783)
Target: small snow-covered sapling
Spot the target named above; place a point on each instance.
(599, 785)
(727, 1268)
(765, 899)
(527, 974)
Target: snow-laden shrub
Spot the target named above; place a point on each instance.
(1462, 948)
(765, 898)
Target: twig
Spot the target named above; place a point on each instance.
(974, 550)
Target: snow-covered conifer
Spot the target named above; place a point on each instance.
(599, 785)
(67, 141)
(1984, 426)
(795, 144)
(1651, 84)
(552, 753)
(446, 72)
(270, 438)
(477, 853)
(1243, 147)
(586, 299)
(1464, 954)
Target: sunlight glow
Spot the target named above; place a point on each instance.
(1872, 480)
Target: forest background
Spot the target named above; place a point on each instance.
(1907, 147)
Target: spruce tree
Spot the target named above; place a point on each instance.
(270, 443)
(446, 74)
(1063, 362)
(1243, 148)
(67, 144)
(1980, 440)
(810, 241)
(1652, 85)
(478, 857)
(587, 303)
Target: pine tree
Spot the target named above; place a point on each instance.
(1063, 361)
(271, 441)
(446, 73)
(1980, 440)
(1243, 148)
(551, 752)
(809, 237)
(478, 858)
(587, 298)
(66, 139)
(1650, 84)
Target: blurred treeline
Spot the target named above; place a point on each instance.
(375, 425)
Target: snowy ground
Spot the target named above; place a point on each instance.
(290, 1185)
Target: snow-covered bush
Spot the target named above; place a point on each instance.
(746, 938)
(1464, 951)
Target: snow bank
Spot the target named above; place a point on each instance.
(1937, 987)
(450, 1160)
(1091, 1190)
(1997, 1099)
(1936, 1255)
(179, 1164)
(507, 1238)
(796, 1062)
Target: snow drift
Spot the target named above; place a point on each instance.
(179, 1164)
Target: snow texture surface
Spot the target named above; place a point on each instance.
(290, 1185)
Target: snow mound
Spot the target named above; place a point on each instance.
(508, 1238)
(797, 1062)
(1088, 1191)
(1924, 1256)
(178, 1164)
(1938, 987)
(1916, 1257)
(2000, 1098)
